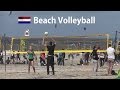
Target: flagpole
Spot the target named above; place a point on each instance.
(5, 49)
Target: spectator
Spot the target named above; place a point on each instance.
(86, 58)
(13, 57)
(111, 57)
(102, 59)
(18, 56)
(60, 58)
(42, 58)
(63, 57)
(25, 59)
(95, 59)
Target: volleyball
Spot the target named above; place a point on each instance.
(46, 33)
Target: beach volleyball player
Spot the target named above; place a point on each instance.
(50, 56)
(31, 55)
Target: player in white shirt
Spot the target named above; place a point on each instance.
(111, 57)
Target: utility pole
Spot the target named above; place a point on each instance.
(115, 40)
(5, 49)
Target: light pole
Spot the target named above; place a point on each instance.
(107, 39)
(0, 43)
(12, 44)
(4, 49)
(115, 41)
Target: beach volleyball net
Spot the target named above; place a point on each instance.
(68, 43)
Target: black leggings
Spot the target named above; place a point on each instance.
(50, 62)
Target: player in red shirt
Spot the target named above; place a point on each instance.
(42, 58)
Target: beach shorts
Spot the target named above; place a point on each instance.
(110, 60)
(31, 59)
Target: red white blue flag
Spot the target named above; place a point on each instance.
(24, 20)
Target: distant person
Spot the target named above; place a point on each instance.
(25, 59)
(1, 57)
(63, 57)
(31, 55)
(81, 58)
(95, 59)
(13, 57)
(18, 56)
(71, 56)
(60, 58)
(116, 61)
(119, 57)
(86, 58)
(111, 57)
(106, 57)
(42, 58)
(82, 61)
(8, 60)
(102, 59)
(56, 55)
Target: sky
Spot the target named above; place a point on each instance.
(107, 22)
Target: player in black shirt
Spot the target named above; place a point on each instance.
(63, 57)
(50, 56)
(18, 56)
(95, 58)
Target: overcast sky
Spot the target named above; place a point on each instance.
(106, 22)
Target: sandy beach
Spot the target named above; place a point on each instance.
(20, 71)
